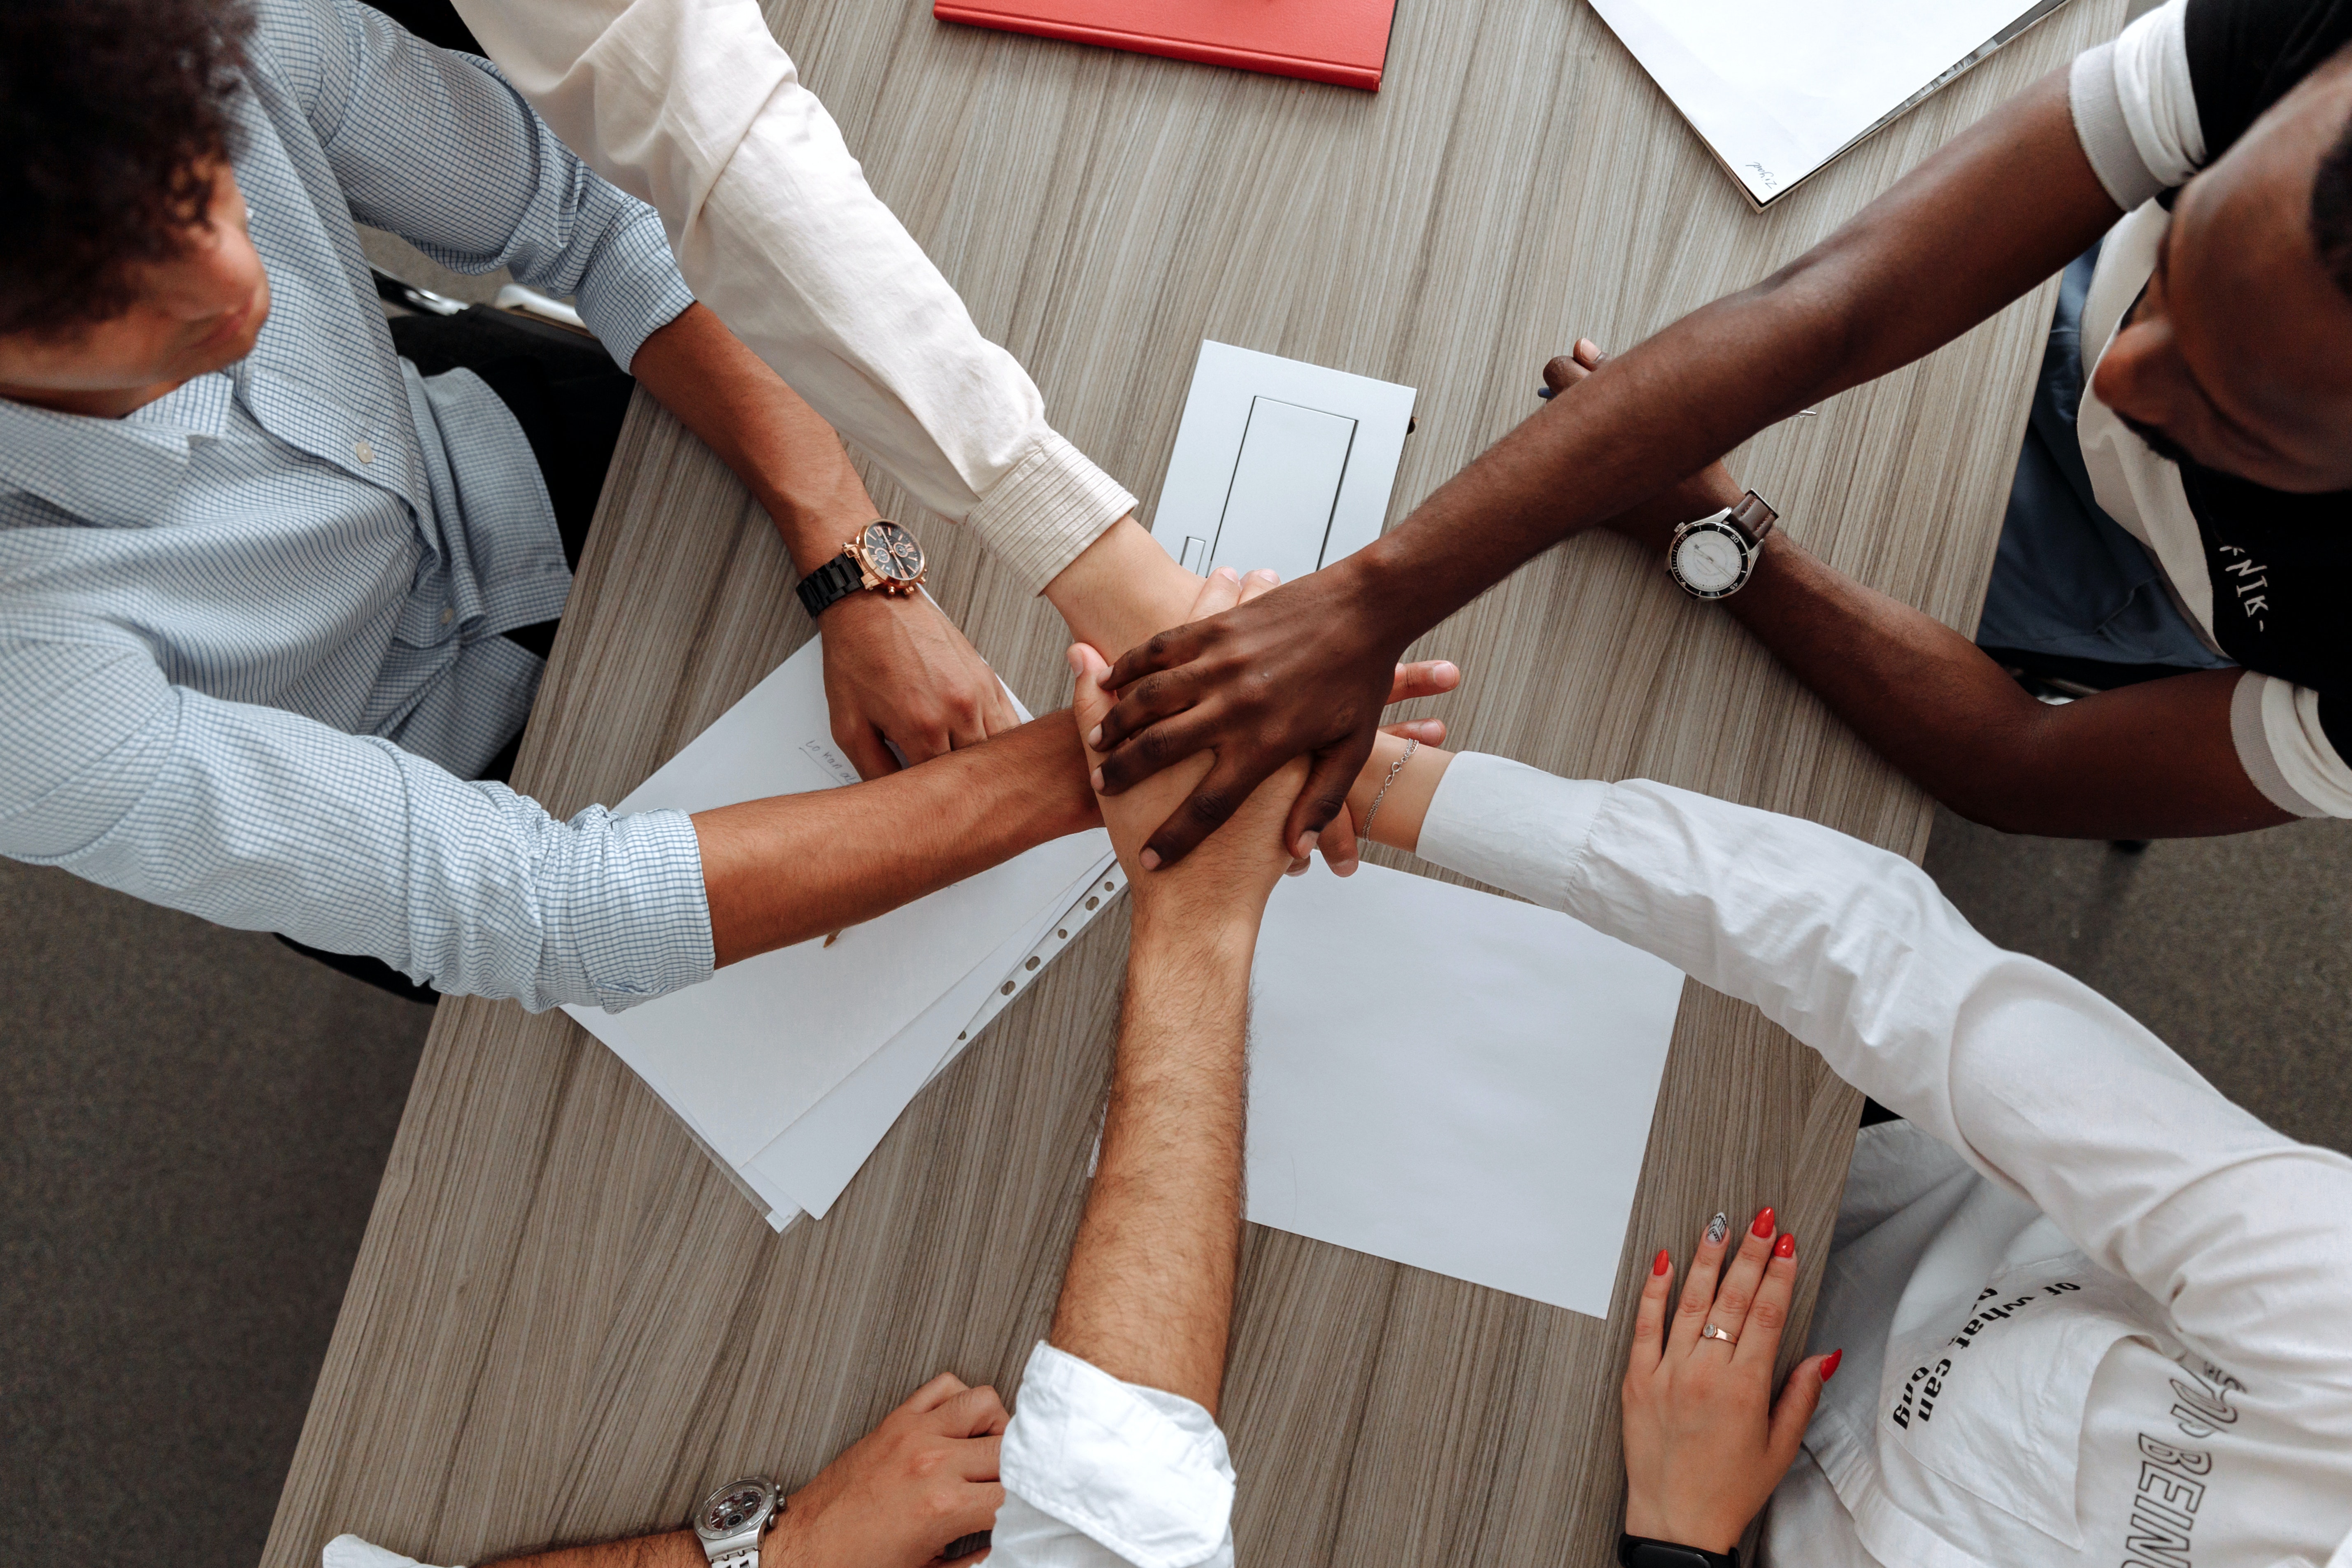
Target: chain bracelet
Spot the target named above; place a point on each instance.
(1394, 768)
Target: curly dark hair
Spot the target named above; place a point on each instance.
(112, 113)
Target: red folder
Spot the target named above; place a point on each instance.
(1345, 42)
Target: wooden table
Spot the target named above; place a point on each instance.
(565, 1322)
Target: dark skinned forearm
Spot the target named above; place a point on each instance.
(2001, 207)
(2152, 761)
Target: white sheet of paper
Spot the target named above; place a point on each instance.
(1455, 1081)
(810, 1163)
(1264, 442)
(745, 1054)
(1779, 88)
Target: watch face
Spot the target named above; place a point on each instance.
(731, 1508)
(891, 552)
(1710, 559)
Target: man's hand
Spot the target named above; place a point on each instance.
(899, 670)
(1231, 876)
(925, 1477)
(1239, 673)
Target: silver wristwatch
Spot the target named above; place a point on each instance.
(1712, 557)
(731, 1521)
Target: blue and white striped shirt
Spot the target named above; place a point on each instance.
(248, 635)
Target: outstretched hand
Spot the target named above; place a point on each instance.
(1705, 1442)
(1238, 869)
(1282, 674)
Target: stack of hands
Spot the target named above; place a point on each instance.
(1706, 1439)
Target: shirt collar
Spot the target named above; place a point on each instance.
(119, 472)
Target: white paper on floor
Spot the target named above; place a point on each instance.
(1453, 1079)
(750, 1052)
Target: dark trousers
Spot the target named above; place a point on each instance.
(569, 399)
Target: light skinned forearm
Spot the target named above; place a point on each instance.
(782, 450)
(1148, 1297)
(671, 1549)
(781, 871)
(2000, 208)
(2150, 761)
(1121, 589)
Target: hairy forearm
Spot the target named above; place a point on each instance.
(2008, 202)
(1148, 1297)
(782, 450)
(2144, 762)
(784, 870)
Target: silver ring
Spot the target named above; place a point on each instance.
(1712, 1332)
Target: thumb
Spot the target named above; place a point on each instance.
(1090, 702)
(1793, 1411)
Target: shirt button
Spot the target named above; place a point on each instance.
(446, 614)
(362, 452)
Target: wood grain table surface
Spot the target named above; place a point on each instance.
(565, 1322)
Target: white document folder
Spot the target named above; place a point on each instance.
(1777, 89)
(750, 1052)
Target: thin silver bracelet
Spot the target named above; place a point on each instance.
(1394, 768)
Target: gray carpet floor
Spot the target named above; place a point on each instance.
(196, 1119)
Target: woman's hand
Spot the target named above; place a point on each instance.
(1651, 524)
(1705, 1441)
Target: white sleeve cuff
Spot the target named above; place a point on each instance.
(351, 1552)
(2135, 107)
(1510, 825)
(2285, 750)
(1043, 514)
(1139, 1471)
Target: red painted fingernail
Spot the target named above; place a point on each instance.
(1830, 1364)
(1786, 1246)
(1763, 1225)
(1663, 1262)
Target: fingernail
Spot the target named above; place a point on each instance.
(1229, 574)
(1070, 658)
(1094, 778)
(1786, 1246)
(1661, 1263)
(1830, 1364)
(1102, 678)
(1447, 667)
(1307, 842)
(1297, 869)
(1345, 868)
(1719, 1227)
(1151, 860)
(1094, 738)
(1587, 347)
(1544, 393)
(1763, 1225)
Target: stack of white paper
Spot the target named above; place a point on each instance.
(1777, 89)
(791, 1067)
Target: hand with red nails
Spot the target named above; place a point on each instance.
(1705, 1441)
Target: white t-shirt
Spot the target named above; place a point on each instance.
(2136, 109)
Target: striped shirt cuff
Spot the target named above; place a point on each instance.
(1041, 515)
(634, 289)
